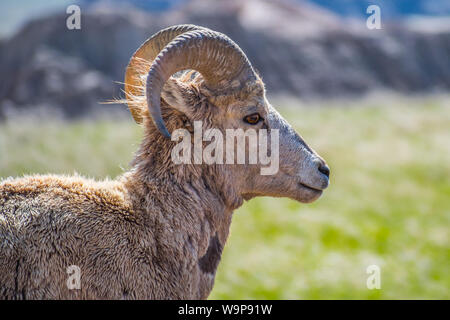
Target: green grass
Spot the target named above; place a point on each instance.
(388, 203)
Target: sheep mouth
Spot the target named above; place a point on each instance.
(310, 188)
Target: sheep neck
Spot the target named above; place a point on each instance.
(198, 207)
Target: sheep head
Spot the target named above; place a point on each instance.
(224, 93)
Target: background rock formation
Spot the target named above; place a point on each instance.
(300, 49)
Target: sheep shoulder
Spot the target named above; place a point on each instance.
(74, 192)
(124, 251)
(48, 223)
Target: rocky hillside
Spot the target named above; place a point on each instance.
(298, 48)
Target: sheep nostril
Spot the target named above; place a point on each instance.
(325, 170)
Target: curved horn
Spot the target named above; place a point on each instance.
(213, 54)
(148, 52)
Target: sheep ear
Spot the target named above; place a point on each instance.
(178, 95)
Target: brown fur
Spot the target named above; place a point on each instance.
(144, 236)
(157, 231)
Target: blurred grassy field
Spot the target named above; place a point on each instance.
(388, 203)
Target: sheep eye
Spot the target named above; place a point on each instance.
(253, 118)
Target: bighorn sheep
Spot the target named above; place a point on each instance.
(157, 231)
